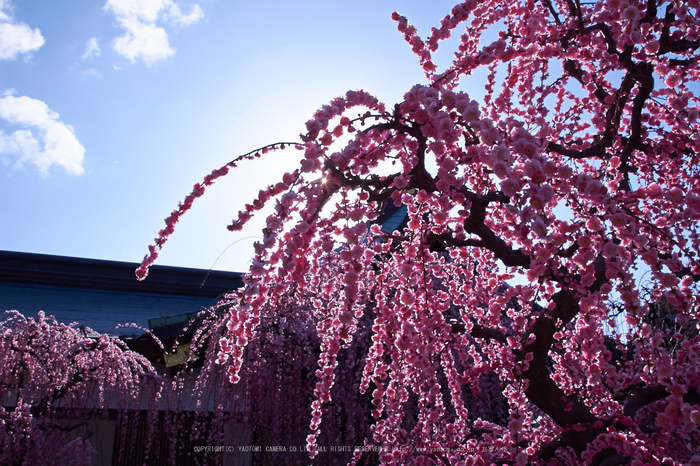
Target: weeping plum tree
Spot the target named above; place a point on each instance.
(577, 171)
(56, 381)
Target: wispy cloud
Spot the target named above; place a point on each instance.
(16, 38)
(144, 40)
(91, 72)
(43, 139)
(92, 49)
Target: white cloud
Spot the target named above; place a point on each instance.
(16, 38)
(92, 49)
(143, 39)
(4, 16)
(91, 72)
(43, 141)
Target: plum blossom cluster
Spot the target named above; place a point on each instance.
(576, 175)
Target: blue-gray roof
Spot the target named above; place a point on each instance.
(102, 294)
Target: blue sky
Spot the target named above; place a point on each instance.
(111, 111)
